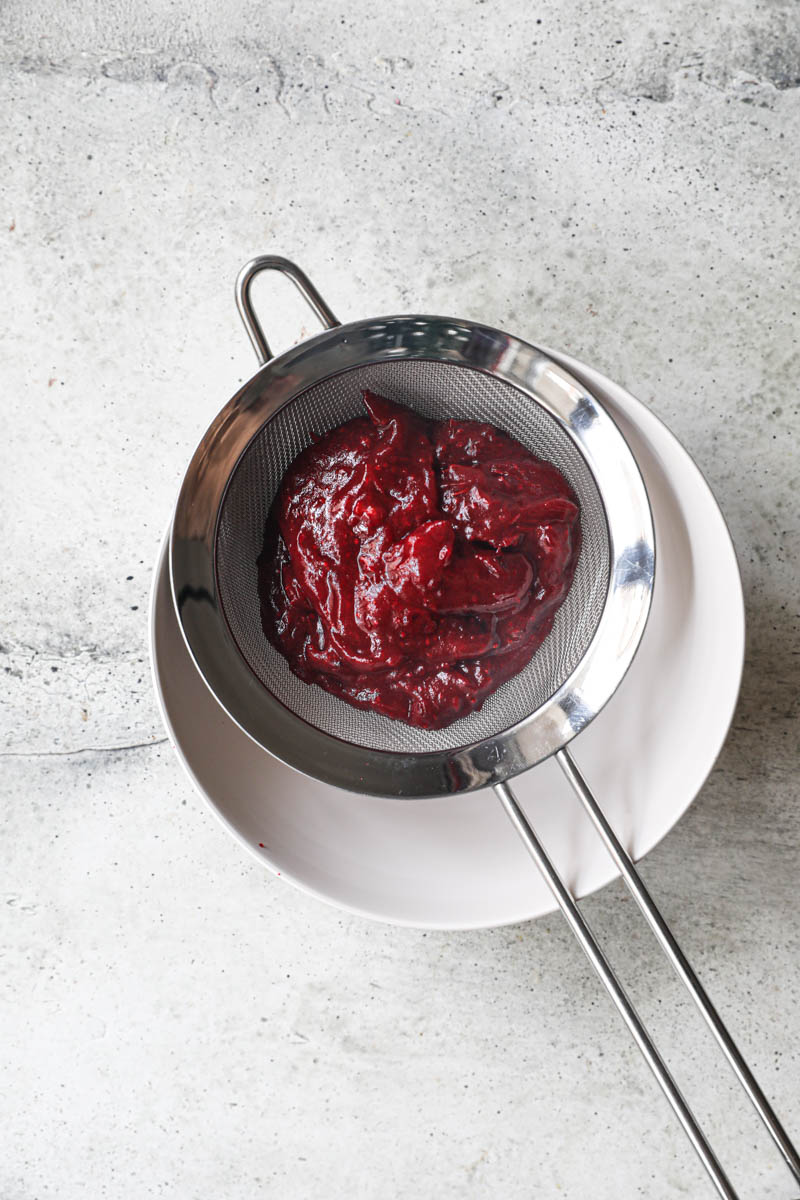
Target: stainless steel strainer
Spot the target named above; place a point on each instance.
(442, 368)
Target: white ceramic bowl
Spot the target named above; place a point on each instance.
(455, 862)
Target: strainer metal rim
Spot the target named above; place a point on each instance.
(264, 718)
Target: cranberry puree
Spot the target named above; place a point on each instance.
(411, 566)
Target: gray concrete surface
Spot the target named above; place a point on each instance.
(617, 180)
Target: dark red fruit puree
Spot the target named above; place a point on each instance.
(413, 566)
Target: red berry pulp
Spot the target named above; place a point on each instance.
(411, 567)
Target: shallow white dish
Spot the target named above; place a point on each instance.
(456, 863)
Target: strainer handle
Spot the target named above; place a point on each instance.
(674, 954)
(677, 959)
(273, 262)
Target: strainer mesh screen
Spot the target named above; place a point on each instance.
(437, 390)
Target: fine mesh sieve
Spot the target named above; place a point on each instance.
(441, 368)
(437, 391)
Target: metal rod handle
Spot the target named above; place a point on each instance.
(678, 959)
(591, 949)
(273, 262)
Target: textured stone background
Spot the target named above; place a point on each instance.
(617, 180)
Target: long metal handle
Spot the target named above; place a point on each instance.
(591, 949)
(678, 959)
(273, 262)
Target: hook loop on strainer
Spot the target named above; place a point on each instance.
(274, 262)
